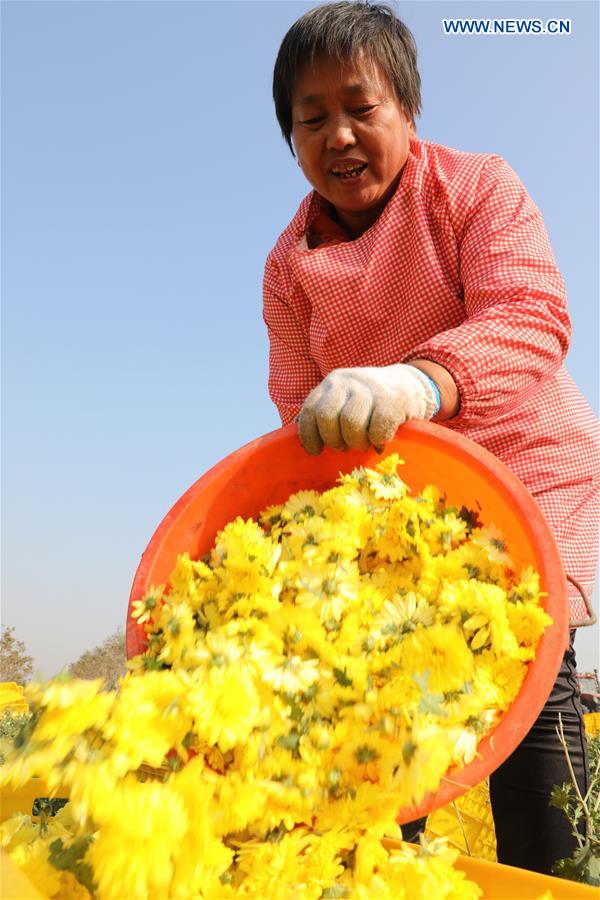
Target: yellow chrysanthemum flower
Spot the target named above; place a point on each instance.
(442, 651)
(384, 481)
(303, 504)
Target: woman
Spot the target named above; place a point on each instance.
(417, 282)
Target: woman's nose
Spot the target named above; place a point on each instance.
(340, 135)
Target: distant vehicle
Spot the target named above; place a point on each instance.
(589, 685)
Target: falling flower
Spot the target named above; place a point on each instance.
(324, 668)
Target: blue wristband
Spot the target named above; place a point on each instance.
(438, 399)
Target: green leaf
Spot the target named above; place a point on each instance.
(408, 751)
(70, 859)
(365, 754)
(429, 703)
(275, 835)
(335, 891)
(289, 741)
(561, 796)
(342, 678)
(151, 665)
(296, 713)
(593, 870)
(582, 866)
(470, 517)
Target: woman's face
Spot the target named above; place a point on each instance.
(351, 135)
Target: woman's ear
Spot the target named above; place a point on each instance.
(410, 124)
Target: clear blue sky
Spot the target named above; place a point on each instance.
(144, 180)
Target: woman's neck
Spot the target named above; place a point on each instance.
(359, 221)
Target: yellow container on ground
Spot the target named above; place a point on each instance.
(13, 884)
(12, 697)
(497, 883)
(507, 883)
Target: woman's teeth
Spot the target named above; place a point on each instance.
(349, 173)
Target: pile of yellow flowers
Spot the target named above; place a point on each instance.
(319, 670)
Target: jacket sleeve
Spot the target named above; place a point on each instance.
(292, 372)
(517, 328)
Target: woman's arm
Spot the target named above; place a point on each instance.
(292, 372)
(517, 330)
(449, 396)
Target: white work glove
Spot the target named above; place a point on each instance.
(358, 407)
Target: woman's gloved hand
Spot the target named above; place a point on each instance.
(354, 408)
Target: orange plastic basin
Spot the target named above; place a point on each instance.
(269, 469)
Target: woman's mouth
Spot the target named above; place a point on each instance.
(348, 171)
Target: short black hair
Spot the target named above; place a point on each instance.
(343, 30)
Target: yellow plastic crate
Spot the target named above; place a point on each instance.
(592, 723)
(20, 800)
(467, 824)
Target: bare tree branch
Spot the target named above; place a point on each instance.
(15, 663)
(107, 660)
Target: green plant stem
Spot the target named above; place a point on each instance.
(561, 736)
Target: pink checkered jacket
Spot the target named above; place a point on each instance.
(457, 269)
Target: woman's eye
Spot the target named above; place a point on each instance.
(316, 120)
(361, 110)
